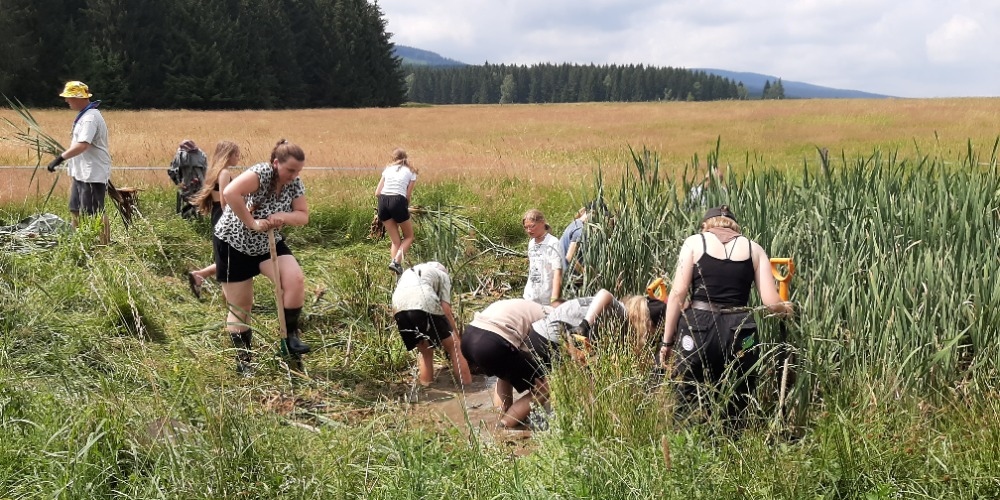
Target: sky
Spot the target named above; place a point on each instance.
(902, 48)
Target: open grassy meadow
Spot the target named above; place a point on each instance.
(115, 382)
(542, 143)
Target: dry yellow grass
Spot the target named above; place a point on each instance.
(542, 143)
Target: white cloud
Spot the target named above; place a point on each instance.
(907, 48)
(955, 40)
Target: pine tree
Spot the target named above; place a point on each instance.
(508, 89)
(778, 90)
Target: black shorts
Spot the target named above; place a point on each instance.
(393, 206)
(87, 198)
(545, 350)
(416, 325)
(498, 358)
(233, 266)
(216, 214)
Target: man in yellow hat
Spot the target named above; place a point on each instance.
(89, 161)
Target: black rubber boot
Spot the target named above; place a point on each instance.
(295, 346)
(241, 340)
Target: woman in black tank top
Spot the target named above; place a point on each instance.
(707, 317)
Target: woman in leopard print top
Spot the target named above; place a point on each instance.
(273, 197)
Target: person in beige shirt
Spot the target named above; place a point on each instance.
(498, 342)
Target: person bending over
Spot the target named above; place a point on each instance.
(422, 306)
(497, 342)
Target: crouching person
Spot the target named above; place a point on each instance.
(274, 197)
(497, 341)
(576, 323)
(422, 306)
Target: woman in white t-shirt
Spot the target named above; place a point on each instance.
(394, 191)
(545, 260)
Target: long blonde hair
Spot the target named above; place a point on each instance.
(637, 313)
(226, 154)
(400, 159)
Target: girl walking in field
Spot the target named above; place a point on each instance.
(394, 192)
(209, 201)
(266, 196)
(545, 260)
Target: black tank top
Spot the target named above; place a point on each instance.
(722, 282)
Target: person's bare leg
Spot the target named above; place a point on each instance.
(239, 301)
(105, 229)
(292, 297)
(392, 229)
(425, 363)
(459, 366)
(503, 395)
(518, 412)
(204, 273)
(292, 280)
(239, 298)
(407, 228)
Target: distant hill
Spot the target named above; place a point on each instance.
(754, 82)
(421, 57)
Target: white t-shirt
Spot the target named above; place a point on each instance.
(543, 260)
(570, 314)
(422, 287)
(396, 179)
(94, 164)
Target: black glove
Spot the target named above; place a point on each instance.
(583, 329)
(55, 163)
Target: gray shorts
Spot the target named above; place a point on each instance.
(87, 197)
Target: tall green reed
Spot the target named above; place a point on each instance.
(893, 257)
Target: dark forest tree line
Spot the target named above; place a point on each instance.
(201, 54)
(547, 83)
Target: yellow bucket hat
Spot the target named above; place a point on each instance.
(76, 89)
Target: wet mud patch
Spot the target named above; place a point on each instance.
(446, 406)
